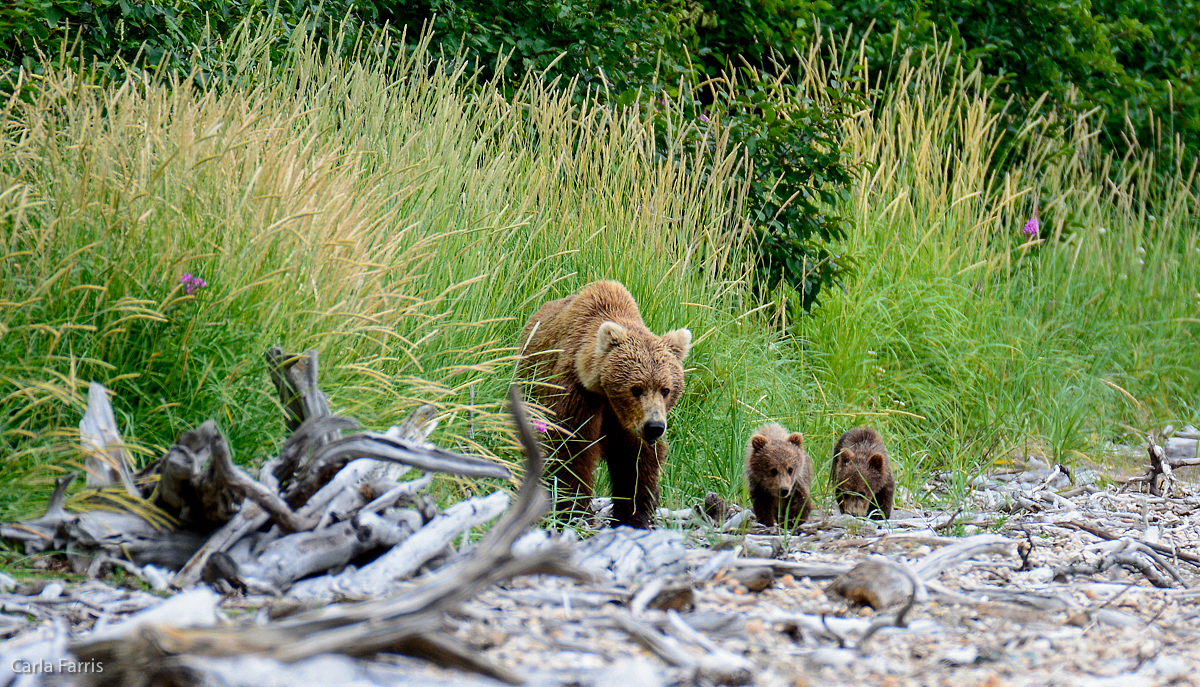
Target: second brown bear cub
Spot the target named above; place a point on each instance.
(779, 475)
(861, 474)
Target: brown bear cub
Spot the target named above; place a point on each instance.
(778, 475)
(611, 383)
(861, 474)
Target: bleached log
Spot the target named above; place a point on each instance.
(299, 555)
(404, 560)
(345, 503)
(816, 571)
(305, 441)
(198, 478)
(337, 454)
(416, 427)
(738, 520)
(717, 664)
(41, 534)
(295, 377)
(107, 460)
(399, 493)
(719, 667)
(127, 534)
(248, 520)
(931, 565)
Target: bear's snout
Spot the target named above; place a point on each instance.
(784, 493)
(855, 504)
(654, 429)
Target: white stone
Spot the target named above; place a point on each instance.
(831, 657)
(626, 673)
(52, 591)
(962, 656)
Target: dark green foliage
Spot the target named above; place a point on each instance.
(607, 45)
(1135, 60)
(180, 35)
(797, 180)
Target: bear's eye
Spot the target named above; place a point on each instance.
(666, 393)
(774, 472)
(789, 471)
(636, 391)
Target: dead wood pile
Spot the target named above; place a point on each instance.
(330, 497)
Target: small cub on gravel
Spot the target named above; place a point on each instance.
(779, 475)
(861, 474)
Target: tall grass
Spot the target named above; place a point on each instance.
(395, 217)
(406, 223)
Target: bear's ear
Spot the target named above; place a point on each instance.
(876, 462)
(609, 336)
(796, 438)
(679, 341)
(758, 441)
(846, 456)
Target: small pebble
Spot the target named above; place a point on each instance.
(963, 656)
(831, 657)
(52, 591)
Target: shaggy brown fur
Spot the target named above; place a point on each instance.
(861, 474)
(778, 475)
(611, 384)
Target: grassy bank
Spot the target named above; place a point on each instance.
(964, 337)
(406, 225)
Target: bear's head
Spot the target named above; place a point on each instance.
(640, 374)
(778, 464)
(858, 478)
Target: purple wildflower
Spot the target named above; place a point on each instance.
(541, 426)
(191, 282)
(704, 117)
(1032, 227)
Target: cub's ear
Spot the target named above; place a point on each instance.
(846, 456)
(876, 462)
(758, 441)
(609, 336)
(679, 341)
(796, 438)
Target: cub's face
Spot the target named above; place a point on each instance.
(782, 461)
(855, 474)
(642, 376)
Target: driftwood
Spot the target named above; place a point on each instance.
(715, 665)
(410, 623)
(324, 501)
(107, 460)
(1162, 465)
(1132, 555)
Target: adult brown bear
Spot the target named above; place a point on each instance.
(610, 384)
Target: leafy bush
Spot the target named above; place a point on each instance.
(182, 36)
(1137, 61)
(797, 174)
